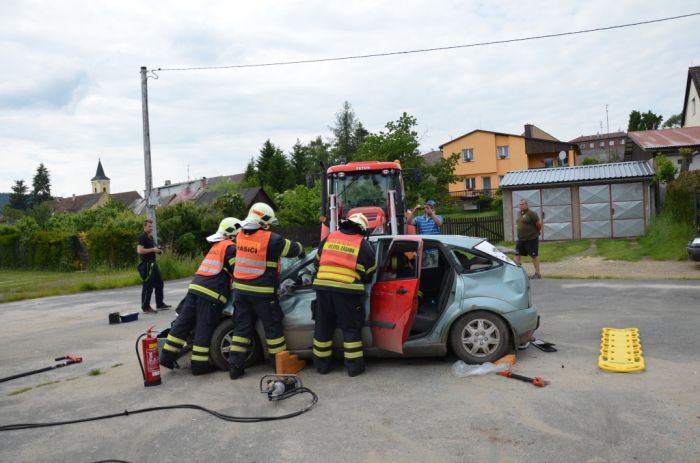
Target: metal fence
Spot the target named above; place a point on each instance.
(490, 228)
(470, 195)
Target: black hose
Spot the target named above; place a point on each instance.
(143, 373)
(221, 416)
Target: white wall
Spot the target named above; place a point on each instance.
(692, 120)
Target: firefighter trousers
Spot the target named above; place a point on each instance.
(200, 317)
(247, 311)
(345, 310)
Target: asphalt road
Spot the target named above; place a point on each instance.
(400, 410)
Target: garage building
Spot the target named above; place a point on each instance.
(596, 201)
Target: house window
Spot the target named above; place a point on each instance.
(503, 152)
(590, 145)
(548, 162)
(611, 142)
(692, 105)
(485, 183)
(583, 146)
(470, 183)
(104, 190)
(468, 154)
(622, 142)
(602, 144)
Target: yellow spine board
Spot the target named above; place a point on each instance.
(621, 350)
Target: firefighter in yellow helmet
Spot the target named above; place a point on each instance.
(345, 261)
(255, 281)
(206, 297)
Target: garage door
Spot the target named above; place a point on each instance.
(615, 210)
(553, 206)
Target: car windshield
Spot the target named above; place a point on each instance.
(363, 189)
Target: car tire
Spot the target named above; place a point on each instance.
(480, 337)
(221, 342)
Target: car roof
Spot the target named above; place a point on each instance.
(454, 240)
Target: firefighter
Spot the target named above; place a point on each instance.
(345, 263)
(255, 281)
(206, 297)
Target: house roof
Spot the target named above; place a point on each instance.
(542, 146)
(126, 197)
(599, 136)
(249, 196)
(432, 157)
(75, 203)
(532, 131)
(100, 174)
(694, 77)
(666, 138)
(595, 172)
(479, 130)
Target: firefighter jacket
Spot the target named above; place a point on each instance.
(213, 278)
(345, 262)
(257, 261)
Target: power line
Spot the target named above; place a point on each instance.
(428, 50)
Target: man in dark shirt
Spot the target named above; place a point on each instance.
(148, 269)
(528, 228)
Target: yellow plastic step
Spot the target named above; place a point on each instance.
(621, 350)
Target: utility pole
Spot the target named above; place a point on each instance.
(607, 134)
(150, 198)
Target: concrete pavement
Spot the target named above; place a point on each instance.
(400, 410)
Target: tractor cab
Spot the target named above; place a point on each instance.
(373, 188)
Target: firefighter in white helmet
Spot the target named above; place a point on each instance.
(255, 281)
(346, 262)
(206, 297)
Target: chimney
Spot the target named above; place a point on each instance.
(528, 130)
(203, 183)
(167, 183)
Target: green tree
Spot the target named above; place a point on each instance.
(18, 198)
(673, 121)
(231, 205)
(300, 163)
(42, 185)
(437, 178)
(398, 142)
(643, 121)
(272, 168)
(250, 177)
(300, 205)
(41, 213)
(664, 170)
(319, 152)
(591, 161)
(686, 158)
(348, 134)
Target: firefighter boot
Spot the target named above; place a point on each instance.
(236, 372)
(167, 360)
(204, 369)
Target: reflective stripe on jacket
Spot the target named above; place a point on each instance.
(213, 262)
(338, 264)
(251, 255)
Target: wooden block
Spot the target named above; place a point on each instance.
(286, 364)
(509, 359)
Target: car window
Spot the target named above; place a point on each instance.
(401, 263)
(472, 262)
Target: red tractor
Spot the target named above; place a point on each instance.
(372, 187)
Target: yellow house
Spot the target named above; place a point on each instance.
(486, 156)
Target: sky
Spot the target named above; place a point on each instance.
(70, 91)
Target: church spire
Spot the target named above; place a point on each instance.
(100, 174)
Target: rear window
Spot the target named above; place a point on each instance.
(472, 262)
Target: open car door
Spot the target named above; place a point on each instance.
(394, 299)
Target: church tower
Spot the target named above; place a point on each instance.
(100, 182)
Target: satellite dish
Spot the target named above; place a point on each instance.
(562, 155)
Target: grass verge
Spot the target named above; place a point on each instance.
(16, 285)
(557, 250)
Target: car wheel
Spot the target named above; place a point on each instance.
(221, 345)
(480, 337)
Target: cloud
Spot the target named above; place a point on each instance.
(71, 90)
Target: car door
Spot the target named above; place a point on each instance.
(394, 298)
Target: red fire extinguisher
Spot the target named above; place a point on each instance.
(150, 367)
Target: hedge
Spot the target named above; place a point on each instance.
(679, 196)
(113, 247)
(50, 251)
(9, 250)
